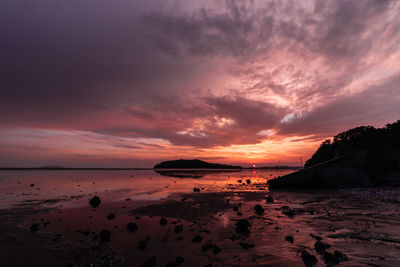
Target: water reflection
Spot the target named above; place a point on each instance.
(117, 185)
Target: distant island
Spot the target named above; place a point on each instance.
(362, 156)
(192, 164)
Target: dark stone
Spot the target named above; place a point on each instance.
(206, 247)
(105, 236)
(149, 263)
(335, 258)
(95, 202)
(32, 185)
(316, 237)
(235, 208)
(242, 226)
(246, 245)
(197, 239)
(110, 216)
(142, 245)
(248, 181)
(178, 228)
(289, 238)
(132, 227)
(320, 247)
(163, 221)
(34, 227)
(258, 209)
(239, 181)
(269, 199)
(196, 190)
(180, 260)
(288, 212)
(308, 259)
(216, 249)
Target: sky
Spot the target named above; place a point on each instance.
(122, 83)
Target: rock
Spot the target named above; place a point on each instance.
(32, 185)
(239, 181)
(163, 221)
(132, 227)
(246, 245)
(178, 228)
(316, 237)
(110, 216)
(95, 202)
(216, 249)
(288, 212)
(180, 260)
(105, 236)
(34, 227)
(242, 226)
(258, 209)
(308, 259)
(269, 199)
(320, 247)
(206, 247)
(235, 208)
(248, 181)
(197, 239)
(289, 238)
(196, 190)
(335, 258)
(150, 262)
(142, 245)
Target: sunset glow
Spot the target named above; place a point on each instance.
(230, 82)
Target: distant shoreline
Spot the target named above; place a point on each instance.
(136, 169)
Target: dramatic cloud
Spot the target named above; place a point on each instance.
(211, 79)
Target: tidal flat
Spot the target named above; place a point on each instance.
(191, 218)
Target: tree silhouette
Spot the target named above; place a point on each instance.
(376, 141)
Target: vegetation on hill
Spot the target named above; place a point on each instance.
(381, 144)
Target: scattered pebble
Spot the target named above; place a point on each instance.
(178, 228)
(34, 227)
(308, 259)
(197, 239)
(95, 202)
(258, 209)
(110, 216)
(105, 236)
(132, 227)
(149, 263)
(289, 238)
(163, 221)
(246, 245)
(269, 199)
(242, 226)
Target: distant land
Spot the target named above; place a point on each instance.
(192, 164)
(59, 168)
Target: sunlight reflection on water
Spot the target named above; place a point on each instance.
(17, 187)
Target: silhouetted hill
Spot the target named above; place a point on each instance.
(362, 156)
(380, 145)
(192, 164)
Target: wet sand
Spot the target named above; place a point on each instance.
(200, 228)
